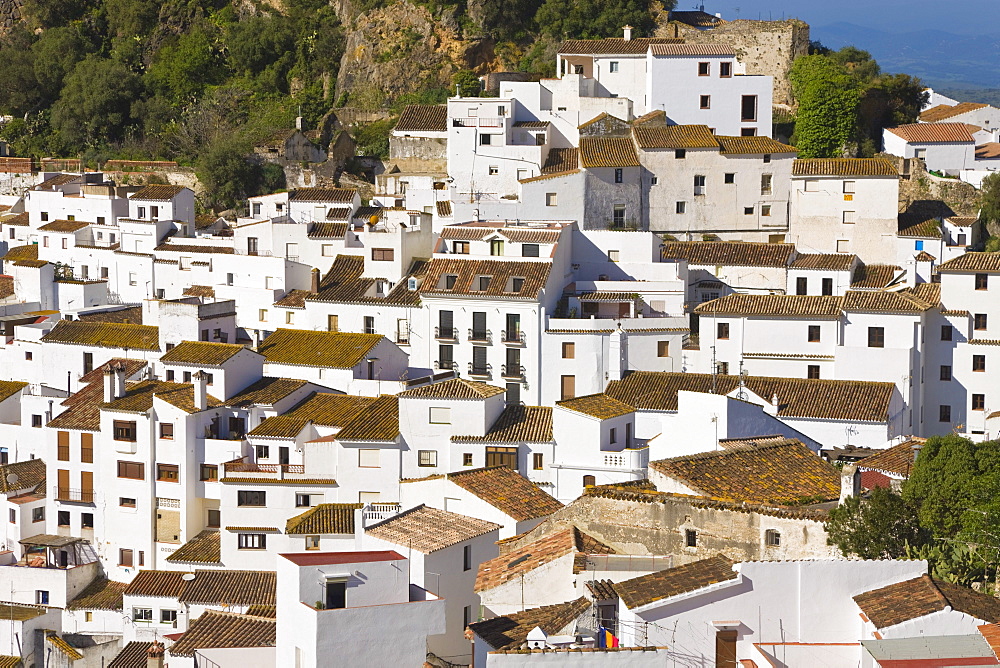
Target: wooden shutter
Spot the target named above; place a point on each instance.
(568, 387)
(87, 486)
(333, 323)
(725, 649)
(478, 357)
(446, 320)
(478, 321)
(87, 448)
(63, 484)
(63, 442)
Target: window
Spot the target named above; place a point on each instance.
(255, 498)
(748, 211)
(723, 368)
(45, 216)
(125, 559)
(262, 451)
(765, 210)
(589, 481)
(516, 284)
(690, 538)
(427, 458)
(312, 542)
(946, 332)
(369, 324)
(568, 350)
(567, 387)
(979, 363)
(827, 286)
(494, 170)
(36, 421)
(536, 461)
(653, 180)
(466, 616)
(613, 435)
(439, 415)
(729, 178)
(982, 281)
(38, 514)
(704, 69)
(467, 558)
(168, 616)
(680, 153)
(551, 199)
(302, 501)
(748, 108)
(978, 402)
(167, 472)
(126, 502)
(765, 184)
(722, 330)
(336, 594)
(801, 285)
(944, 413)
(368, 458)
(496, 247)
(725, 70)
(214, 518)
(383, 254)
(613, 256)
(618, 215)
(814, 333)
(680, 207)
(876, 337)
(262, 315)
(446, 359)
(529, 250)
(131, 470)
(62, 518)
(812, 371)
(289, 318)
(62, 441)
(485, 140)
(663, 348)
(87, 520)
(850, 217)
(167, 430)
(979, 321)
(251, 541)
(13, 516)
(945, 372)
(619, 175)
(209, 472)
(466, 459)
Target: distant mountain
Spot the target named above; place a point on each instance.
(941, 59)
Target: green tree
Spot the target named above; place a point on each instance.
(468, 83)
(942, 485)
(53, 13)
(989, 199)
(184, 69)
(19, 89)
(55, 55)
(130, 18)
(95, 104)
(226, 173)
(828, 106)
(880, 526)
(595, 18)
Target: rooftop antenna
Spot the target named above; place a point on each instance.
(742, 394)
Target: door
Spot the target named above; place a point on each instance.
(87, 486)
(502, 457)
(283, 455)
(336, 595)
(568, 387)
(63, 559)
(513, 326)
(446, 323)
(251, 245)
(63, 484)
(332, 323)
(479, 325)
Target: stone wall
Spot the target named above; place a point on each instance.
(766, 47)
(420, 148)
(10, 13)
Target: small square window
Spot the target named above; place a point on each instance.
(979, 363)
(704, 69)
(312, 542)
(494, 170)
(680, 207)
(536, 461)
(748, 211)
(729, 178)
(427, 458)
(466, 459)
(944, 413)
(690, 538)
(772, 538)
(613, 256)
(945, 372)
(812, 371)
(978, 402)
(613, 66)
(705, 101)
(722, 330)
(979, 321)
(551, 199)
(765, 210)
(680, 153)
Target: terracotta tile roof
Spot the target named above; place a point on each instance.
(843, 167)
(14, 612)
(752, 145)
(531, 124)
(293, 299)
(444, 208)
(729, 253)
(301, 482)
(265, 392)
(988, 151)
(340, 350)
(6, 286)
(880, 301)
(607, 152)
(339, 213)
(64, 226)
(933, 133)
(511, 631)
(328, 409)
(105, 335)
(20, 253)
(328, 230)
(865, 401)
(517, 424)
(924, 256)
(428, 530)
(944, 111)
(378, 422)
(602, 590)
(205, 548)
(191, 248)
(896, 460)
(466, 232)
(214, 587)
(705, 49)
(326, 518)
(696, 18)
(101, 594)
(201, 352)
(671, 582)
(918, 224)
(773, 305)
(911, 599)
(167, 584)
(344, 284)
(527, 558)
(139, 397)
(614, 45)
(551, 175)
(675, 136)
(64, 648)
(203, 291)
(875, 276)
(508, 491)
(535, 274)
(342, 195)
(423, 118)
(530, 236)
(657, 117)
(9, 388)
(258, 610)
(156, 193)
(224, 629)
(561, 160)
(18, 220)
(600, 406)
(781, 473)
(129, 315)
(975, 262)
(133, 655)
(30, 475)
(827, 261)
(454, 388)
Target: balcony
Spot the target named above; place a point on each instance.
(444, 364)
(253, 467)
(514, 337)
(513, 371)
(74, 495)
(402, 339)
(480, 371)
(446, 333)
(480, 336)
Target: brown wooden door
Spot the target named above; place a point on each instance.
(568, 389)
(87, 486)
(62, 489)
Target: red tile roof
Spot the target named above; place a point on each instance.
(547, 549)
(332, 558)
(921, 596)
(671, 582)
(607, 152)
(508, 491)
(933, 133)
(423, 118)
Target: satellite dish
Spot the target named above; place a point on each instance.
(188, 577)
(12, 478)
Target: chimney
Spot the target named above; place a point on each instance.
(154, 655)
(617, 352)
(109, 385)
(850, 481)
(628, 33)
(200, 382)
(298, 123)
(119, 370)
(314, 281)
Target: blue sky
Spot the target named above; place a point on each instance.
(974, 16)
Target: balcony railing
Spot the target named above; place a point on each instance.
(481, 335)
(403, 339)
(444, 364)
(481, 371)
(514, 336)
(446, 333)
(73, 494)
(254, 467)
(512, 371)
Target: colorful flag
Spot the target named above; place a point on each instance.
(606, 638)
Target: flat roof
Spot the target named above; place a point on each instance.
(332, 558)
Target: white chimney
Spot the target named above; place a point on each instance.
(850, 481)
(200, 382)
(617, 353)
(109, 385)
(114, 382)
(628, 33)
(119, 380)
(298, 123)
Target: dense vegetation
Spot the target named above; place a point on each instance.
(948, 512)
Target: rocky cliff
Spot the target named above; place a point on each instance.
(10, 13)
